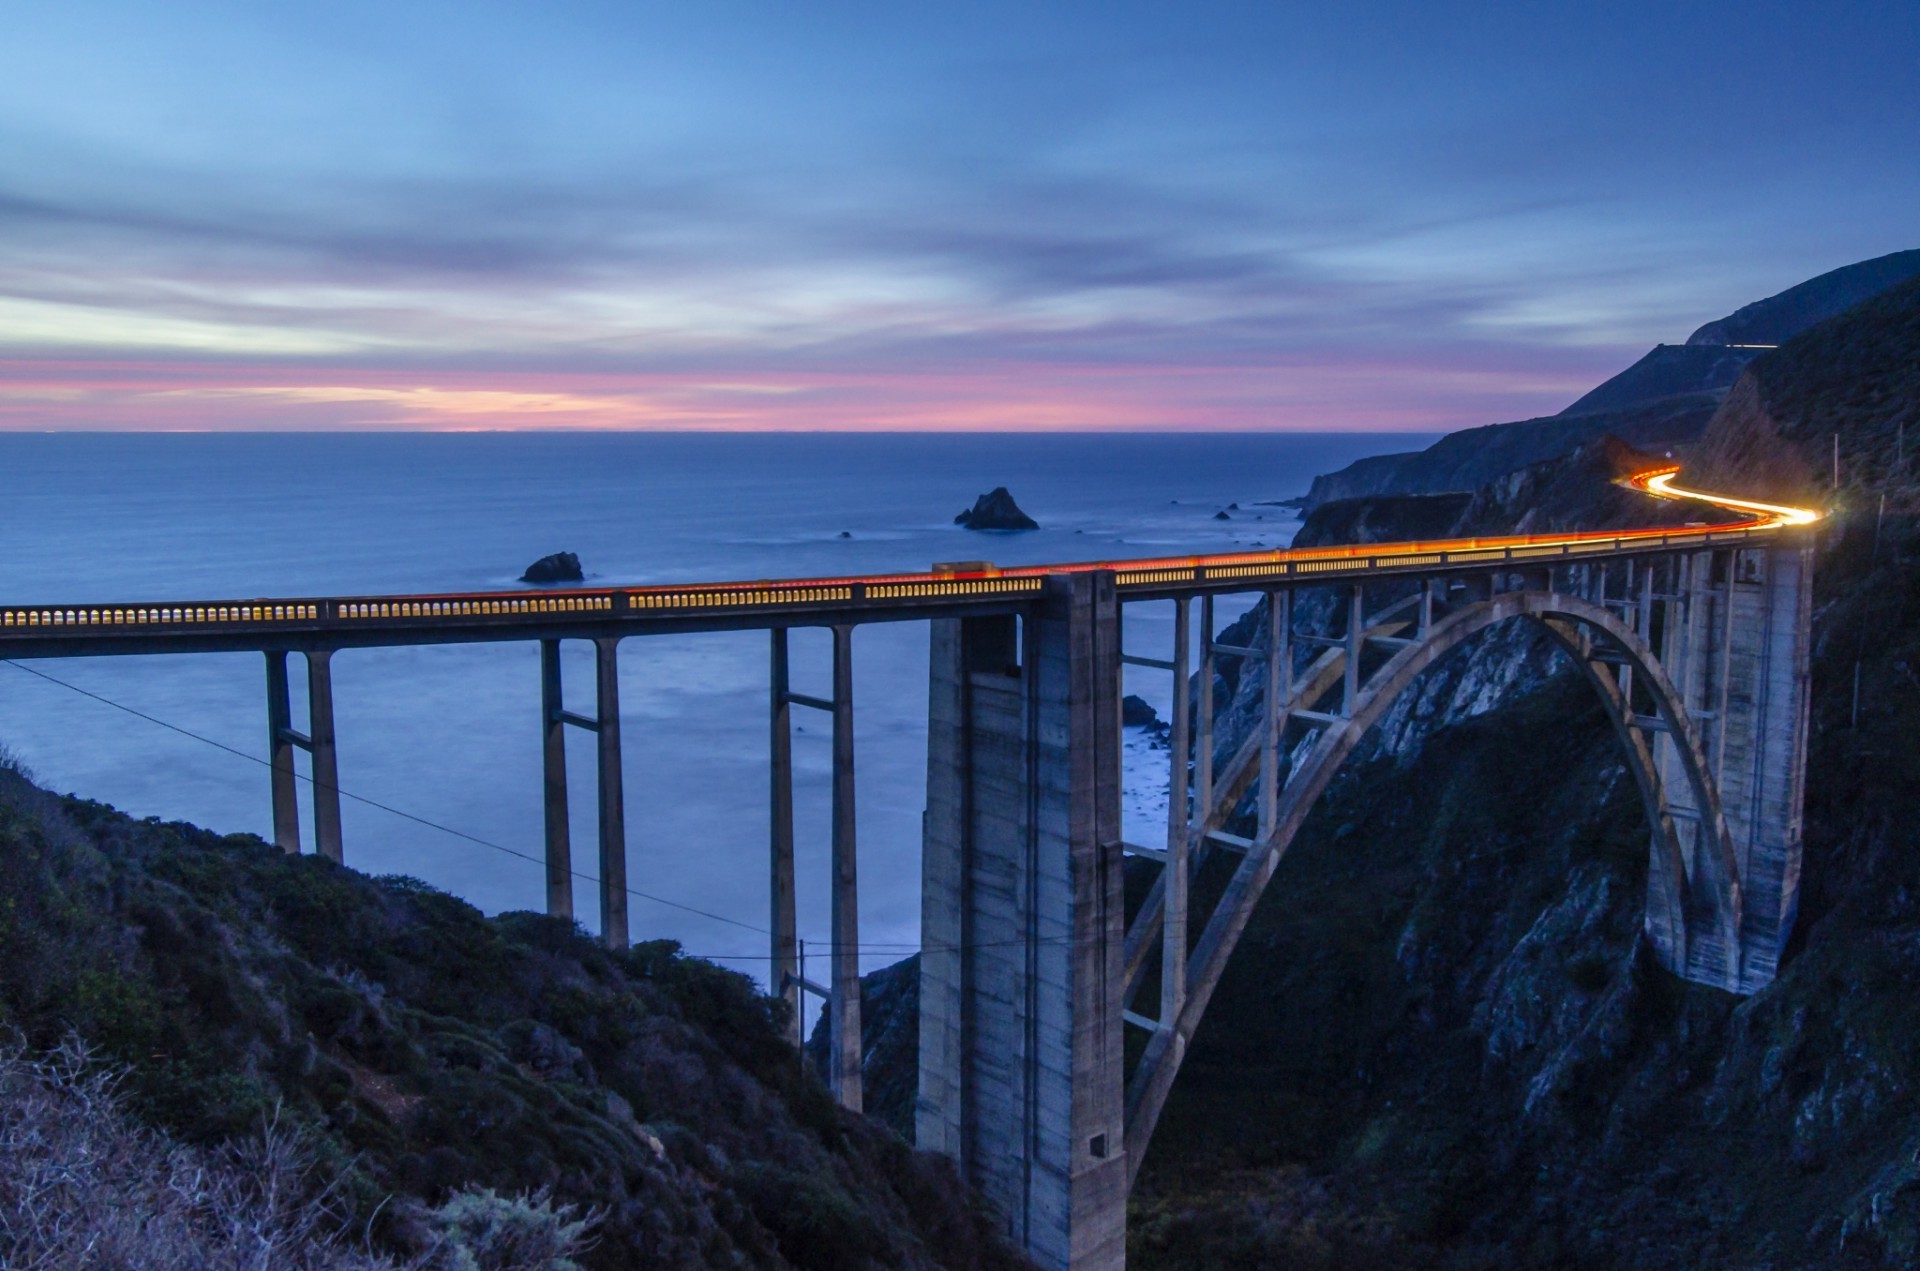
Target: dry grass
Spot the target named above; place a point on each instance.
(82, 1185)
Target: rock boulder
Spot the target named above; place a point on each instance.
(996, 511)
(561, 567)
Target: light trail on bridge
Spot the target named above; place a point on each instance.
(52, 630)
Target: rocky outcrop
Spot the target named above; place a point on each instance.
(1371, 475)
(996, 510)
(1467, 460)
(561, 567)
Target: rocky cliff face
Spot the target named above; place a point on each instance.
(1465, 461)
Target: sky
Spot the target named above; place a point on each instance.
(730, 215)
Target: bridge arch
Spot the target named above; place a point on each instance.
(1680, 901)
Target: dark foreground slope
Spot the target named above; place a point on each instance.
(425, 1048)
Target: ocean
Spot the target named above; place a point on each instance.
(451, 734)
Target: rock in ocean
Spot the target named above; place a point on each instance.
(561, 567)
(996, 511)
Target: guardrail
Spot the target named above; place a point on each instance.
(971, 583)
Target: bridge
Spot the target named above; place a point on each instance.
(1694, 637)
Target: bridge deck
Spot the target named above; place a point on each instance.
(182, 626)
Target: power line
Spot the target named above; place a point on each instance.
(880, 948)
(374, 803)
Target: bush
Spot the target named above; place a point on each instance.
(485, 1231)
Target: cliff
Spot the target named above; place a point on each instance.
(1662, 402)
(1464, 461)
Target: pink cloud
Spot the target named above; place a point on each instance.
(1360, 395)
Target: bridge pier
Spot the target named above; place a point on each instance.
(1021, 1077)
(318, 741)
(1737, 647)
(843, 1028)
(554, 753)
(782, 921)
(605, 725)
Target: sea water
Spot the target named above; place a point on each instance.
(451, 734)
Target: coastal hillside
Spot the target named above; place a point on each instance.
(425, 1061)
(1443, 1042)
(1661, 402)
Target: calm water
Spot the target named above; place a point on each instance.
(452, 733)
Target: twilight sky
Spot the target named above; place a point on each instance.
(827, 215)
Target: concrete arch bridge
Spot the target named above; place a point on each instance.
(1695, 639)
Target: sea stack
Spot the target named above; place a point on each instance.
(996, 510)
(561, 567)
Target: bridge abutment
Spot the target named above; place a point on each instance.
(1021, 1076)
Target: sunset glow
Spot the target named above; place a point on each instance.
(663, 217)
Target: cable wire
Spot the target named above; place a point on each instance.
(879, 948)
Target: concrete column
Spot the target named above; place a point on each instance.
(844, 1051)
(1203, 728)
(1356, 625)
(286, 794)
(781, 919)
(1020, 1032)
(553, 738)
(1173, 924)
(1628, 588)
(613, 808)
(1279, 699)
(1740, 659)
(1764, 744)
(326, 761)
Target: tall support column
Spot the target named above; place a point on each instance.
(1356, 626)
(1627, 611)
(1738, 653)
(280, 744)
(1020, 1032)
(553, 741)
(843, 1060)
(784, 968)
(326, 759)
(1173, 926)
(1203, 727)
(1279, 701)
(613, 807)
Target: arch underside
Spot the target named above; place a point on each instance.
(1694, 904)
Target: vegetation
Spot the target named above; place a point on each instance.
(501, 1079)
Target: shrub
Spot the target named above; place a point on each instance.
(485, 1231)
